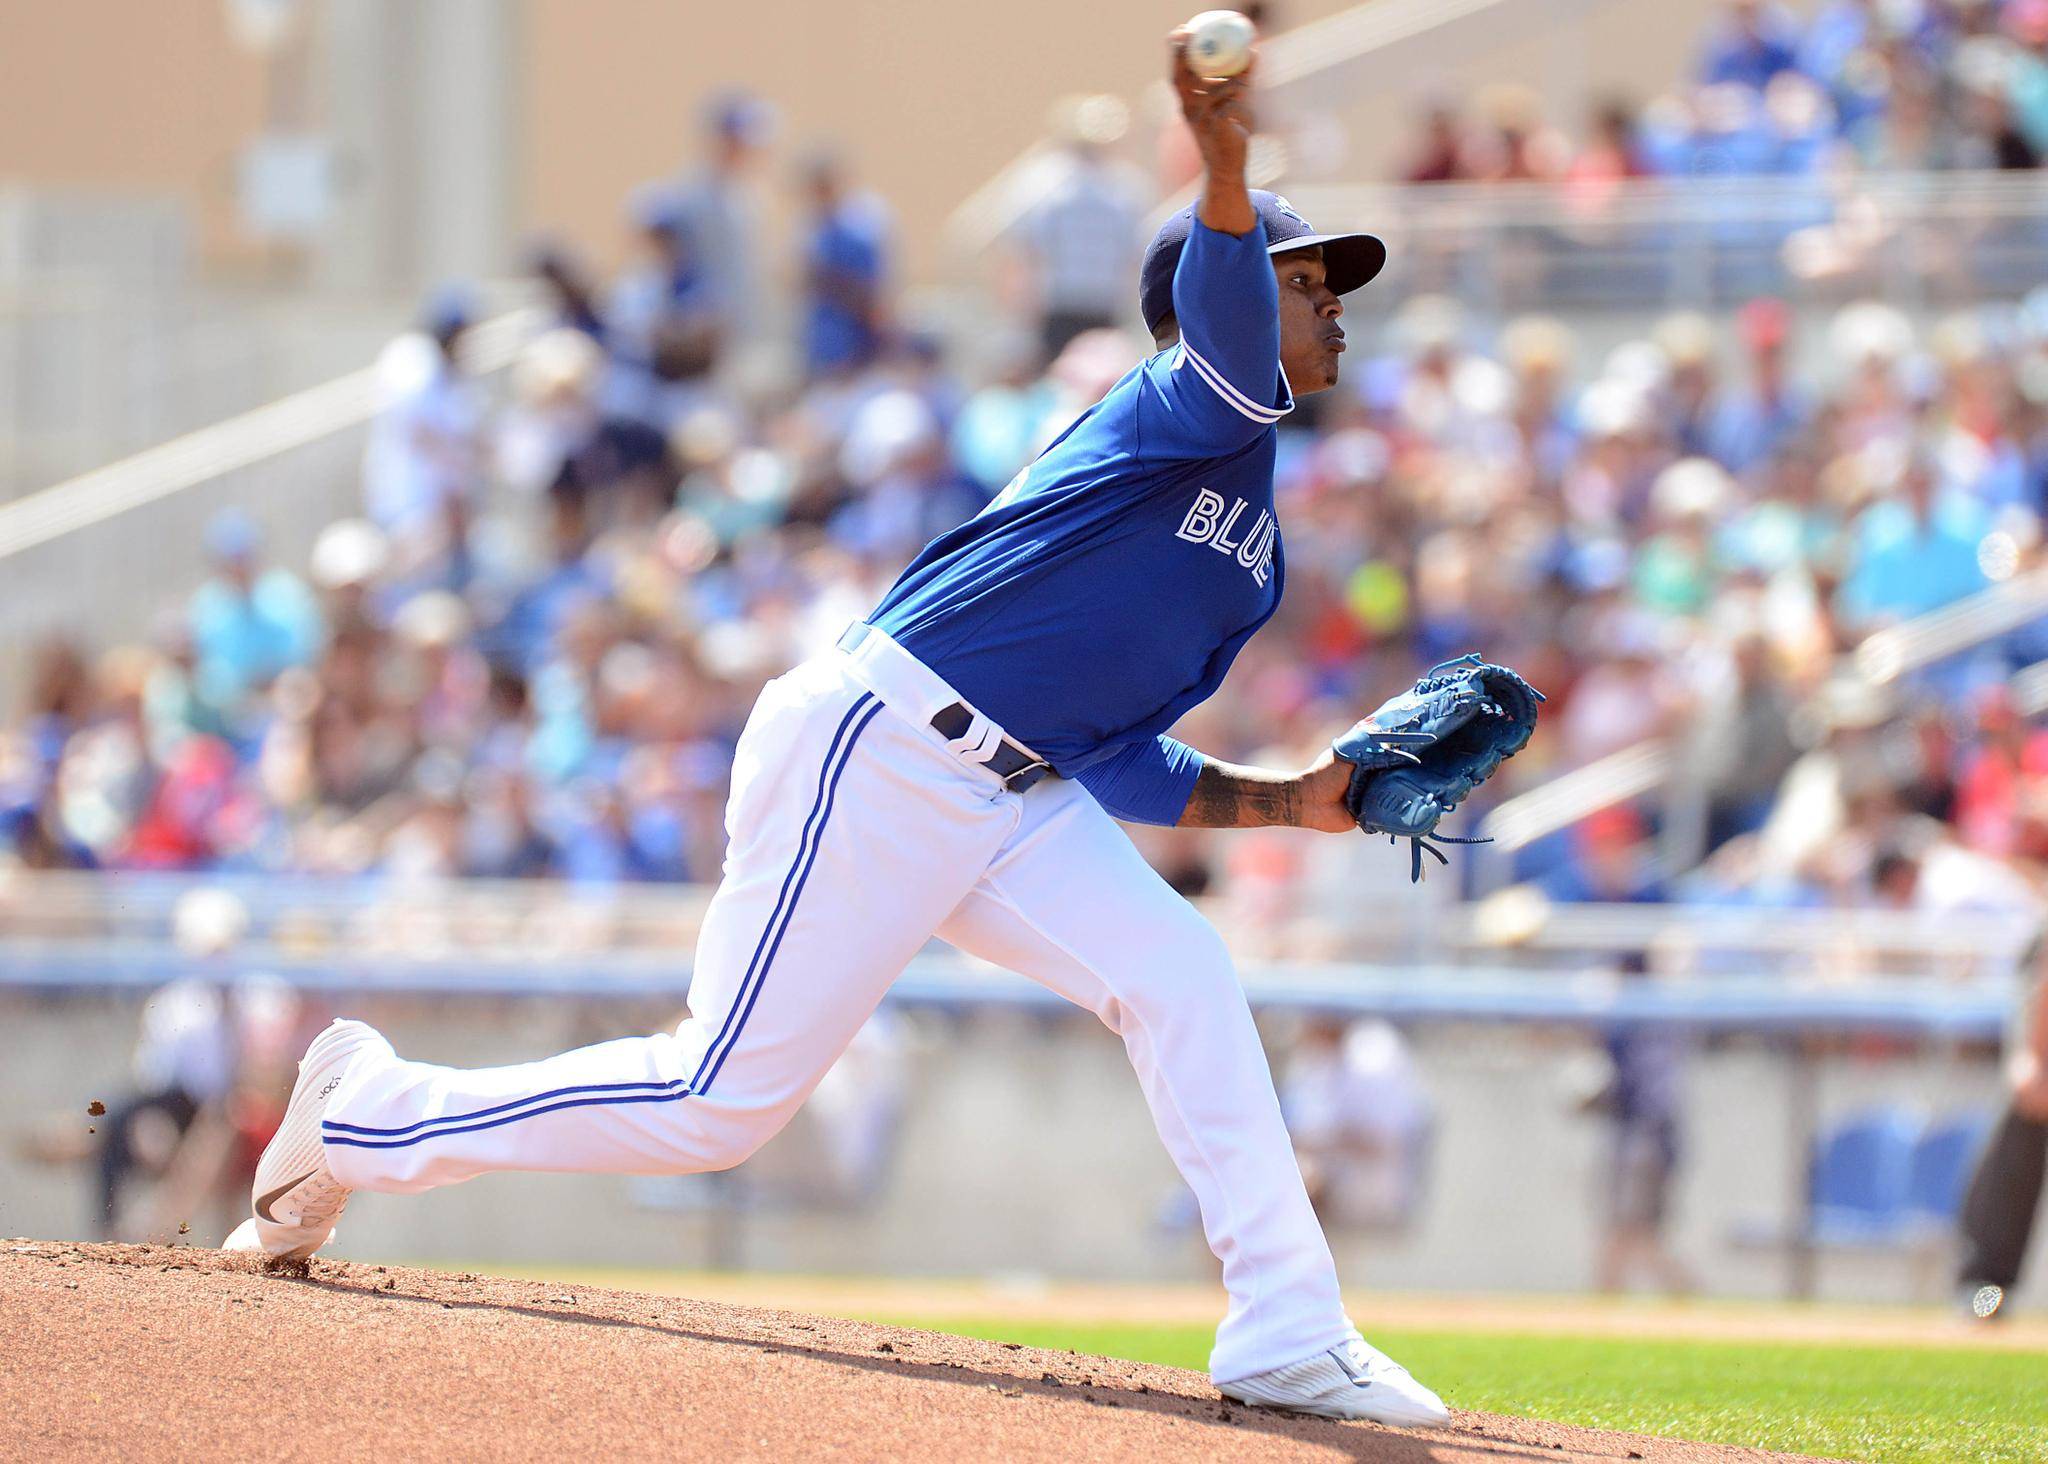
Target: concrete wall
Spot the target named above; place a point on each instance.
(462, 124)
(1027, 1150)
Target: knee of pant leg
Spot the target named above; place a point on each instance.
(1184, 969)
(733, 1134)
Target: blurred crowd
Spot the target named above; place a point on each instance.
(532, 651)
(1911, 85)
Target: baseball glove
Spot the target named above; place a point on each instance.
(1421, 754)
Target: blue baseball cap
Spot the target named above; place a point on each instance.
(1351, 259)
(233, 534)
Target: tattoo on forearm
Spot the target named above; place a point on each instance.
(1227, 797)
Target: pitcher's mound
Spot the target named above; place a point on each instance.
(153, 1352)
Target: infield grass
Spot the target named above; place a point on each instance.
(1891, 1405)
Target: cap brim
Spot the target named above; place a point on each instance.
(1350, 260)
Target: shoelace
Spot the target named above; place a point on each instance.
(320, 1190)
(1418, 843)
(1373, 1365)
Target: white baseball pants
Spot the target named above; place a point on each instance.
(856, 833)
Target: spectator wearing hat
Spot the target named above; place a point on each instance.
(1915, 548)
(348, 561)
(1607, 862)
(1675, 567)
(248, 622)
(717, 209)
(1753, 421)
(1689, 388)
(559, 439)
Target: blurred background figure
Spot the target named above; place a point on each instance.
(2005, 1191)
(1077, 243)
(1754, 42)
(1438, 151)
(213, 1064)
(249, 622)
(1360, 1121)
(845, 268)
(668, 319)
(423, 465)
(718, 213)
(1641, 1103)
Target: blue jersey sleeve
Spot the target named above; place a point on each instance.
(1221, 386)
(1148, 782)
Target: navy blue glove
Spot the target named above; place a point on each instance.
(1421, 754)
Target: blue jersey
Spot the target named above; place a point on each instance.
(1110, 586)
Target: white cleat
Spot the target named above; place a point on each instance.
(296, 1197)
(1355, 1380)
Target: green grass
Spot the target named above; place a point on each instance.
(1896, 1406)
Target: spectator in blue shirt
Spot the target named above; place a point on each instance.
(248, 622)
(663, 321)
(1752, 44)
(845, 265)
(1914, 552)
(1753, 422)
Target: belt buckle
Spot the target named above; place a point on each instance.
(1027, 777)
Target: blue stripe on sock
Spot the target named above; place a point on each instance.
(831, 795)
(672, 1090)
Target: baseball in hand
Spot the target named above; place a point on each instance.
(1219, 44)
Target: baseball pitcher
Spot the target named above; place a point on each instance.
(956, 766)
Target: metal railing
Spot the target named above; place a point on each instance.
(435, 930)
(1579, 794)
(225, 447)
(1920, 241)
(1913, 645)
(1917, 240)
(101, 554)
(1647, 768)
(1288, 59)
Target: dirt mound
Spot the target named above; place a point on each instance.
(154, 1352)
